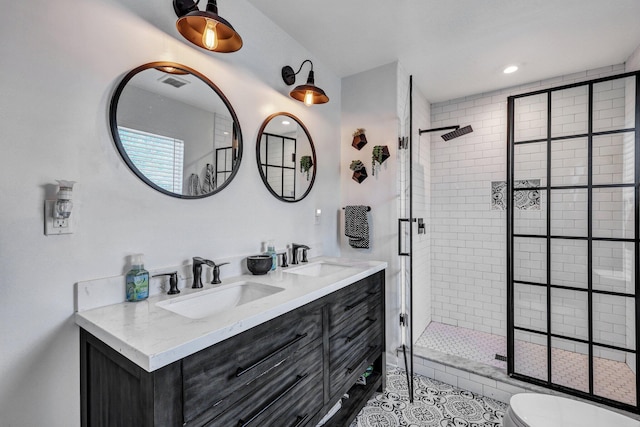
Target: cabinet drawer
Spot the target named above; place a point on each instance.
(215, 377)
(355, 300)
(345, 371)
(290, 401)
(351, 345)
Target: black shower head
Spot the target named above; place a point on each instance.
(456, 133)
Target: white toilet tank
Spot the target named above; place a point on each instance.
(543, 410)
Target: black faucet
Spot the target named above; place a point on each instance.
(197, 270)
(173, 282)
(216, 272)
(283, 257)
(294, 252)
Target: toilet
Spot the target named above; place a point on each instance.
(543, 410)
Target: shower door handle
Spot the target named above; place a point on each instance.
(400, 221)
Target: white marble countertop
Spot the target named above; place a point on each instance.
(153, 337)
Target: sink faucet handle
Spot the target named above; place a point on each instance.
(173, 282)
(304, 254)
(283, 259)
(216, 272)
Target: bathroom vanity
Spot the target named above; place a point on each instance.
(284, 359)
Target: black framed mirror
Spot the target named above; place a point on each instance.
(286, 157)
(176, 130)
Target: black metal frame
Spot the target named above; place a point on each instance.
(259, 162)
(511, 327)
(266, 164)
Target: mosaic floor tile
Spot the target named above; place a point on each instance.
(435, 404)
(612, 379)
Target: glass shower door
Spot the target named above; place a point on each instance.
(573, 182)
(405, 236)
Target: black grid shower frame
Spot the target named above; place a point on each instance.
(548, 237)
(266, 164)
(223, 154)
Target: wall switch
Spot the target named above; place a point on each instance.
(53, 226)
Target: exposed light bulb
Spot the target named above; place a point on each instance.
(308, 98)
(209, 37)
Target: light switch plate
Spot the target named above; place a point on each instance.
(54, 226)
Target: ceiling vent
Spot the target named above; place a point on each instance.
(174, 81)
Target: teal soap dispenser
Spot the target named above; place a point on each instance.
(137, 282)
(271, 251)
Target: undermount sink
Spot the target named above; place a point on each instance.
(319, 269)
(208, 303)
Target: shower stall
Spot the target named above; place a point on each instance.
(541, 277)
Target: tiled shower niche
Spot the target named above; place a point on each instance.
(571, 266)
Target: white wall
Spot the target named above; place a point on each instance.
(62, 61)
(633, 62)
(369, 101)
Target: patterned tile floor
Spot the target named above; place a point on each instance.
(612, 379)
(435, 404)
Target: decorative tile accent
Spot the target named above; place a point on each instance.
(498, 195)
(435, 404)
(527, 200)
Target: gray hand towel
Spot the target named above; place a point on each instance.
(356, 226)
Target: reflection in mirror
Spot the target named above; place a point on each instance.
(176, 130)
(286, 157)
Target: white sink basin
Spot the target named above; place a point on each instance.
(214, 301)
(319, 269)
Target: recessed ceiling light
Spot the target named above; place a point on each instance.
(510, 69)
(286, 122)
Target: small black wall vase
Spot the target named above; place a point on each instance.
(379, 155)
(359, 171)
(359, 139)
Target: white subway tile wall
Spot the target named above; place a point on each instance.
(468, 245)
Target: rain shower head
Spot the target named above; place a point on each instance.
(457, 131)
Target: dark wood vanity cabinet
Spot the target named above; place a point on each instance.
(285, 372)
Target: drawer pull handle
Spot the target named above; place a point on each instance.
(241, 371)
(298, 380)
(354, 305)
(358, 333)
(300, 420)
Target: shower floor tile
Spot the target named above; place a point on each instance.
(612, 379)
(467, 343)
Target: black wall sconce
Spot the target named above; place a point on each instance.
(308, 93)
(206, 29)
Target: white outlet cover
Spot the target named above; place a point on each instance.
(54, 226)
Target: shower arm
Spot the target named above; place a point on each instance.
(421, 131)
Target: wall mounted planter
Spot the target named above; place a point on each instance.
(359, 171)
(359, 139)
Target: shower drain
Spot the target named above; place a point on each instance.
(501, 357)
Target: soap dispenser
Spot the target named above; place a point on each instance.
(137, 281)
(271, 251)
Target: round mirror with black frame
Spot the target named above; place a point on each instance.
(286, 157)
(176, 130)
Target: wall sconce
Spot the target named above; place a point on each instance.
(206, 29)
(308, 93)
(58, 212)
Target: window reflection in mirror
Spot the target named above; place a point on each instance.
(286, 157)
(176, 130)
